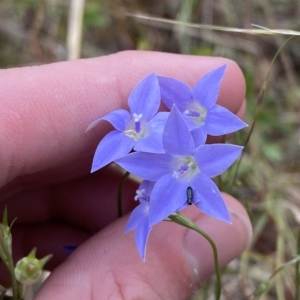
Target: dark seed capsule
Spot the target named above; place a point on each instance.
(189, 193)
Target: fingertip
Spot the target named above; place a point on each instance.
(230, 239)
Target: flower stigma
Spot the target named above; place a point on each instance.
(196, 113)
(185, 168)
(139, 194)
(137, 128)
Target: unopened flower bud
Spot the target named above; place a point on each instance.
(29, 268)
(5, 236)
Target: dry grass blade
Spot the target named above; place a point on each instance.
(262, 30)
(75, 28)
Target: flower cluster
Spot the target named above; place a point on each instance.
(170, 151)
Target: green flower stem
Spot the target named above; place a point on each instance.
(10, 265)
(120, 192)
(186, 222)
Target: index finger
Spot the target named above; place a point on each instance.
(45, 110)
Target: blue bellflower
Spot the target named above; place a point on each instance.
(140, 129)
(198, 105)
(139, 218)
(182, 166)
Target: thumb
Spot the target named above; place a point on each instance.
(178, 260)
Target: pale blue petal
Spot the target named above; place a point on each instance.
(177, 139)
(174, 91)
(141, 237)
(151, 143)
(113, 146)
(118, 118)
(167, 197)
(199, 135)
(219, 121)
(148, 166)
(214, 159)
(206, 90)
(147, 186)
(145, 97)
(208, 198)
(190, 124)
(158, 122)
(139, 213)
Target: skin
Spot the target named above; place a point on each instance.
(45, 181)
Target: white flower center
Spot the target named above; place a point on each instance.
(196, 113)
(184, 168)
(137, 128)
(141, 196)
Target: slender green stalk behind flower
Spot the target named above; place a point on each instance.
(29, 268)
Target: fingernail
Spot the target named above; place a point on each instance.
(230, 239)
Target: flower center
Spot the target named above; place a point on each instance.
(137, 127)
(185, 168)
(141, 196)
(196, 113)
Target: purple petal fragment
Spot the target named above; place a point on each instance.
(177, 139)
(206, 90)
(141, 236)
(148, 166)
(220, 120)
(214, 159)
(69, 249)
(145, 97)
(137, 215)
(174, 91)
(118, 118)
(199, 135)
(147, 186)
(168, 196)
(152, 143)
(208, 198)
(113, 146)
(158, 122)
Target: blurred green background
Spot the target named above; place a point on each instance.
(268, 179)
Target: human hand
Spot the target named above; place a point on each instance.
(45, 160)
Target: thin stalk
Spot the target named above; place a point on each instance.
(297, 294)
(220, 182)
(120, 192)
(259, 102)
(186, 222)
(2, 292)
(10, 266)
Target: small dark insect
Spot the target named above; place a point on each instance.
(189, 193)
